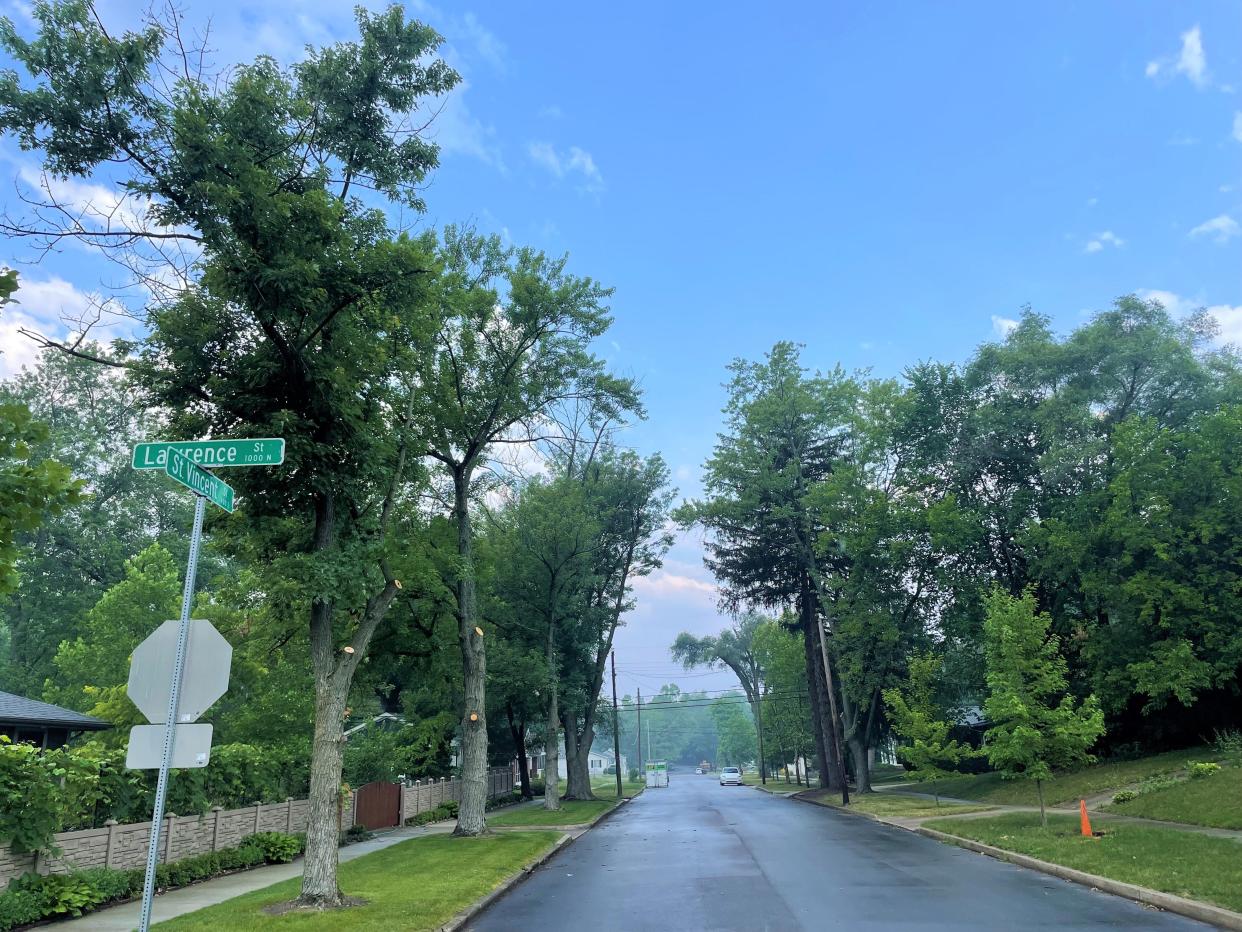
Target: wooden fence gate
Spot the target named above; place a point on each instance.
(378, 805)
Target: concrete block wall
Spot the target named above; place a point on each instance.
(125, 846)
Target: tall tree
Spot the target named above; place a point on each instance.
(630, 498)
(296, 315)
(513, 344)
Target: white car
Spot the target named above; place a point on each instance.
(730, 776)
(698, 770)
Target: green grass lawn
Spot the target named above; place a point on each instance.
(418, 884)
(572, 812)
(889, 773)
(892, 805)
(1183, 863)
(1066, 787)
(1214, 800)
(606, 787)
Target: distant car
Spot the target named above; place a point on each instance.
(698, 769)
(730, 776)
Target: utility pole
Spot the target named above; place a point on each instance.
(763, 764)
(642, 774)
(616, 731)
(837, 737)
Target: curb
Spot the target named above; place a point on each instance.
(1193, 909)
(459, 921)
(506, 885)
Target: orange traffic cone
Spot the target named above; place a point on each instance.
(1086, 823)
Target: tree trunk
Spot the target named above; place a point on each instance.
(857, 746)
(578, 761)
(319, 882)
(814, 688)
(551, 767)
(836, 739)
(517, 730)
(1043, 816)
(825, 732)
(471, 818)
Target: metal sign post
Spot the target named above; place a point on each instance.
(212, 655)
(170, 730)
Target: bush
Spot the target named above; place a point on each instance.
(18, 908)
(356, 833)
(1124, 796)
(1229, 746)
(278, 847)
(1205, 769)
(440, 813)
(537, 787)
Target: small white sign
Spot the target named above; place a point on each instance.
(191, 747)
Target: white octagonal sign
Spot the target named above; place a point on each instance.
(205, 677)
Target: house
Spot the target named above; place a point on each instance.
(598, 762)
(49, 726)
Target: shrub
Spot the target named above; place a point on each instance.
(278, 847)
(1206, 769)
(18, 908)
(1229, 745)
(537, 787)
(359, 833)
(1124, 796)
(59, 894)
(440, 813)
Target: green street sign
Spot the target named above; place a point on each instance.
(199, 480)
(212, 454)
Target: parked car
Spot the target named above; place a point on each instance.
(730, 776)
(698, 770)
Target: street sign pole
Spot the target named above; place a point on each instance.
(174, 695)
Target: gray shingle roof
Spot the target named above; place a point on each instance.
(18, 710)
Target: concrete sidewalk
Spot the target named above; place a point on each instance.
(1098, 815)
(124, 918)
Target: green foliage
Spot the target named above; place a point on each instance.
(30, 797)
(441, 812)
(1124, 796)
(1201, 769)
(737, 743)
(416, 751)
(921, 722)
(1228, 745)
(278, 847)
(1036, 726)
(30, 487)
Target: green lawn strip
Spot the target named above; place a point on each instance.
(1186, 864)
(607, 788)
(417, 884)
(890, 805)
(1066, 787)
(1214, 801)
(572, 812)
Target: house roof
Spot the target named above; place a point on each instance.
(18, 710)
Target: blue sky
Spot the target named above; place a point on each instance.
(883, 185)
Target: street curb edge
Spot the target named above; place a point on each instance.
(1193, 909)
(459, 921)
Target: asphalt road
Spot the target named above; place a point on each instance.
(701, 856)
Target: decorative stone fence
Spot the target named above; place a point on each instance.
(125, 846)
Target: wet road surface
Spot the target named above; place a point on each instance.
(701, 856)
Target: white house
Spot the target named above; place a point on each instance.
(598, 761)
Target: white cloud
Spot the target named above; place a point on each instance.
(1191, 60)
(459, 132)
(1228, 317)
(485, 43)
(55, 308)
(1237, 125)
(663, 583)
(574, 161)
(551, 112)
(1183, 139)
(684, 473)
(1092, 201)
(1175, 304)
(1221, 229)
(1108, 237)
(1003, 326)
